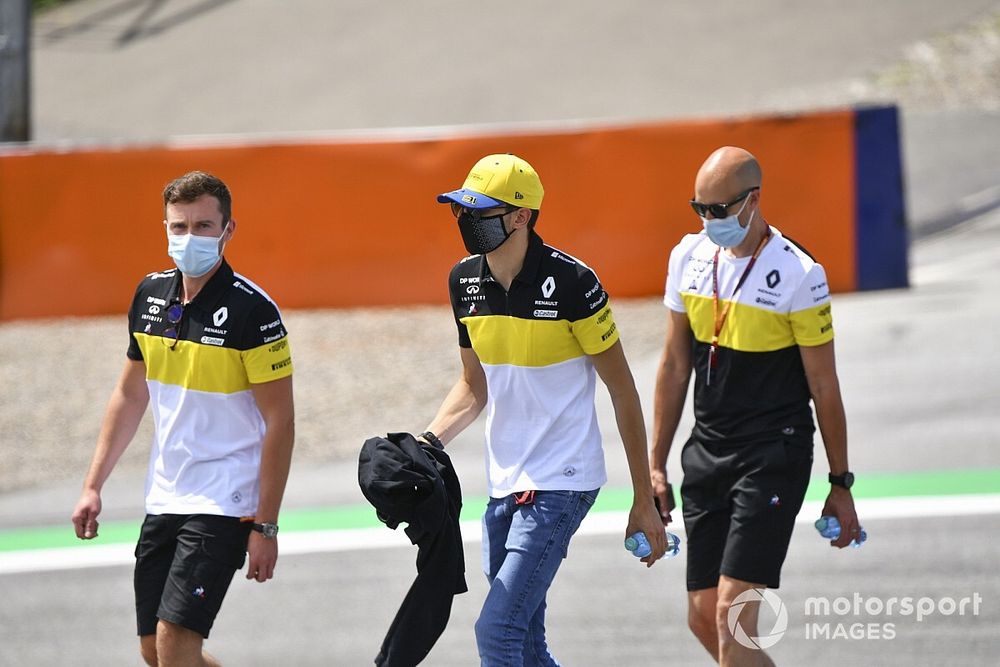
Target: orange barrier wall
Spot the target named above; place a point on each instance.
(351, 223)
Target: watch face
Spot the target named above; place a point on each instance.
(846, 480)
(269, 529)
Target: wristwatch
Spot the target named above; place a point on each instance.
(268, 530)
(846, 480)
(431, 439)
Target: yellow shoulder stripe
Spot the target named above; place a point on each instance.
(813, 326)
(268, 362)
(193, 365)
(502, 339)
(598, 332)
(211, 368)
(752, 329)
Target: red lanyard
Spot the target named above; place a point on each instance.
(720, 318)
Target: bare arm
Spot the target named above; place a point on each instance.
(821, 373)
(672, 379)
(121, 420)
(274, 400)
(614, 370)
(464, 402)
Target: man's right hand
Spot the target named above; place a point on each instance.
(662, 495)
(85, 515)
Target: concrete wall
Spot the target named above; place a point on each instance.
(351, 222)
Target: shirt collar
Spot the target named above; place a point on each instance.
(532, 259)
(215, 288)
(529, 269)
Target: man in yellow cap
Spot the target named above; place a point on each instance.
(534, 324)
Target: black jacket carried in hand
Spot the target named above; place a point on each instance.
(410, 482)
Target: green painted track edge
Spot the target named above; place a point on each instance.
(882, 485)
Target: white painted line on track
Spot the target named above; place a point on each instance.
(597, 523)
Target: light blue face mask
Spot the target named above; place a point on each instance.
(194, 255)
(727, 232)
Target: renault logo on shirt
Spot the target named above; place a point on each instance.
(548, 287)
(220, 316)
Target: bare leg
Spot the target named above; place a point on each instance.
(177, 646)
(147, 647)
(701, 618)
(731, 652)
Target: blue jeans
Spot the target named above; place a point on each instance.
(523, 546)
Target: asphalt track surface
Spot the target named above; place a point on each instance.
(920, 372)
(915, 398)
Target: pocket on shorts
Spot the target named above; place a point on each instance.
(199, 585)
(798, 457)
(142, 548)
(151, 536)
(209, 570)
(685, 448)
(223, 552)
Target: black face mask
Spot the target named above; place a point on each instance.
(482, 235)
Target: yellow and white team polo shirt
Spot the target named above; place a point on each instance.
(757, 389)
(208, 435)
(533, 342)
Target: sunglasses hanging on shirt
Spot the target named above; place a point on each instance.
(175, 313)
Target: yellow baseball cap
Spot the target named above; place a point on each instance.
(497, 180)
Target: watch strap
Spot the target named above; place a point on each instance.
(845, 480)
(266, 529)
(432, 439)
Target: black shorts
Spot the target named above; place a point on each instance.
(184, 565)
(740, 503)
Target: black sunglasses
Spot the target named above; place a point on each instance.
(718, 210)
(476, 214)
(175, 312)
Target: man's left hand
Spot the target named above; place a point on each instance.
(840, 504)
(644, 517)
(263, 552)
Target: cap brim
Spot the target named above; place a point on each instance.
(469, 199)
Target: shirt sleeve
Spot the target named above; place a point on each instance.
(266, 353)
(453, 295)
(595, 328)
(675, 267)
(810, 314)
(133, 352)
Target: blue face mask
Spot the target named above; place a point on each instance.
(727, 232)
(194, 255)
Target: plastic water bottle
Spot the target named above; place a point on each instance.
(638, 544)
(829, 527)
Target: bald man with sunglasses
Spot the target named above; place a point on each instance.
(749, 314)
